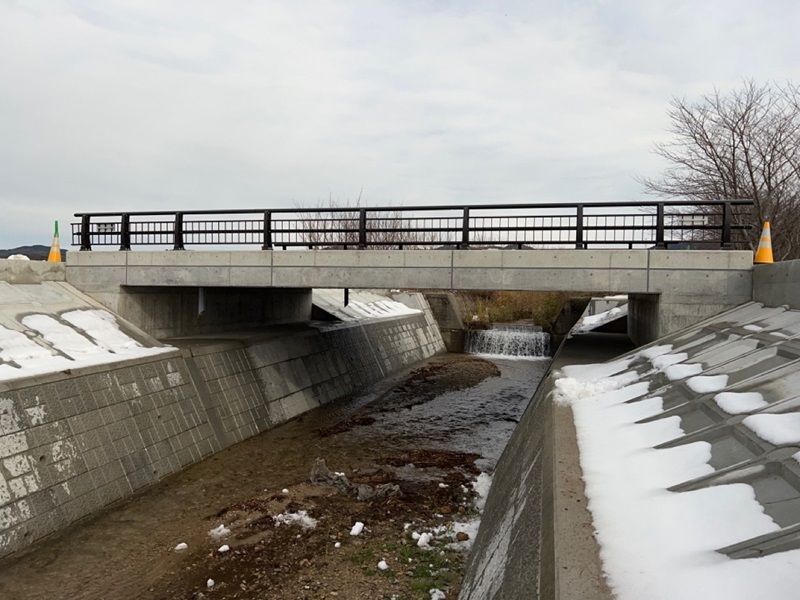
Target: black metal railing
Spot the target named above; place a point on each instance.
(721, 224)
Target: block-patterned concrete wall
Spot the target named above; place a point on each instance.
(71, 443)
(228, 389)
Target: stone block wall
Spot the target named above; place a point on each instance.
(74, 442)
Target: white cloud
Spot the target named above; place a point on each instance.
(125, 105)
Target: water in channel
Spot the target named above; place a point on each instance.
(127, 551)
(503, 339)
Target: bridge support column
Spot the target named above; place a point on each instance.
(651, 316)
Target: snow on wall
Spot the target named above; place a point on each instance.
(691, 472)
(680, 491)
(76, 338)
(72, 442)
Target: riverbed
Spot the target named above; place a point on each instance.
(420, 443)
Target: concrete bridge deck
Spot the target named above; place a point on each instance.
(631, 271)
(668, 289)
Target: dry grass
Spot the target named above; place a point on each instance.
(540, 308)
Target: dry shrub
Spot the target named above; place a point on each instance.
(540, 308)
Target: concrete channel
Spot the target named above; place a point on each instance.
(73, 442)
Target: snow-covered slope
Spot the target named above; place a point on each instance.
(689, 449)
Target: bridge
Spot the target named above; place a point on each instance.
(640, 250)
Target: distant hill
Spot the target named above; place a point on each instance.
(37, 252)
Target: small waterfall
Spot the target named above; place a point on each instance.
(509, 340)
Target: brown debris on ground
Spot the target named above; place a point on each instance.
(430, 457)
(345, 425)
(268, 558)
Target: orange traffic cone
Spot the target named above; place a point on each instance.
(55, 249)
(764, 251)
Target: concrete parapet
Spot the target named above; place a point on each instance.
(31, 271)
(777, 284)
(73, 442)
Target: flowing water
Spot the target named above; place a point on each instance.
(503, 339)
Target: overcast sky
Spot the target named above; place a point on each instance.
(186, 104)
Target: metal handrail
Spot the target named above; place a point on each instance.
(584, 225)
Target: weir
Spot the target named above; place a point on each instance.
(509, 340)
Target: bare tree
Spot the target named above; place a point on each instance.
(741, 145)
(336, 224)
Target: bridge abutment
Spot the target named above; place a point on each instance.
(168, 312)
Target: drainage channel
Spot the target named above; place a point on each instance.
(421, 444)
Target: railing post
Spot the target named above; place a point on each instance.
(579, 228)
(125, 233)
(660, 244)
(267, 231)
(727, 243)
(362, 229)
(86, 236)
(178, 233)
(465, 229)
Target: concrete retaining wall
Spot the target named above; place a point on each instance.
(31, 271)
(73, 443)
(449, 311)
(535, 537)
(777, 284)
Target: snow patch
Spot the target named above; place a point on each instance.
(300, 517)
(676, 372)
(775, 429)
(358, 527)
(219, 533)
(590, 322)
(737, 403)
(705, 384)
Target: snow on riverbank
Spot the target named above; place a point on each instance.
(657, 544)
(590, 322)
(78, 338)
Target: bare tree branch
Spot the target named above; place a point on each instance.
(744, 144)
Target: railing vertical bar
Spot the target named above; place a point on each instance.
(726, 226)
(177, 234)
(125, 233)
(660, 245)
(267, 243)
(86, 236)
(465, 229)
(362, 229)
